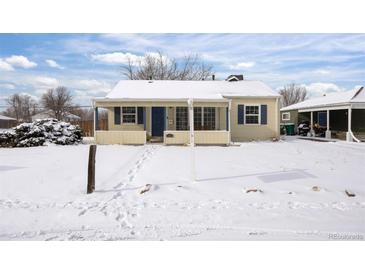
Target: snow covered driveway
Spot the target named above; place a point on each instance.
(42, 192)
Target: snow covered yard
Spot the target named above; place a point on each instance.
(42, 192)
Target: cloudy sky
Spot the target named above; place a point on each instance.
(90, 64)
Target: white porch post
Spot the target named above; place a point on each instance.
(349, 133)
(312, 126)
(192, 142)
(191, 121)
(328, 131)
(229, 120)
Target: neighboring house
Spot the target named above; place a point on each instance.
(69, 117)
(7, 122)
(342, 114)
(235, 77)
(183, 112)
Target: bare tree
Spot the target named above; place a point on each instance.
(292, 94)
(59, 101)
(21, 107)
(161, 67)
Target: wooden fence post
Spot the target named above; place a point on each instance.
(91, 170)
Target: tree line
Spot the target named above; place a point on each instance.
(57, 101)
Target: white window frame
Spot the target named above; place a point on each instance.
(175, 119)
(245, 114)
(122, 114)
(202, 115)
(285, 113)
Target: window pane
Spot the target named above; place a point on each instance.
(181, 118)
(209, 118)
(286, 116)
(129, 115)
(254, 119)
(198, 118)
(126, 110)
(129, 118)
(252, 109)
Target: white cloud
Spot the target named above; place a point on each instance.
(123, 58)
(320, 89)
(4, 66)
(116, 57)
(243, 65)
(322, 71)
(43, 82)
(7, 86)
(20, 61)
(92, 86)
(53, 64)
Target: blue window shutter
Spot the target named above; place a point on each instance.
(140, 115)
(96, 119)
(263, 114)
(117, 115)
(241, 114)
(144, 118)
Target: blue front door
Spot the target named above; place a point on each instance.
(158, 121)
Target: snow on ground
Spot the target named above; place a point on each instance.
(42, 192)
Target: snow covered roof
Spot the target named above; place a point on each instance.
(2, 117)
(340, 98)
(171, 89)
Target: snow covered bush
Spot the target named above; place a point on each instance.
(41, 131)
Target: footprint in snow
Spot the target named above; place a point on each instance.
(117, 195)
(82, 212)
(119, 216)
(119, 185)
(51, 238)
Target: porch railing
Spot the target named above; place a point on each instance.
(120, 137)
(202, 137)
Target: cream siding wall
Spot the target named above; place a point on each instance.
(170, 123)
(222, 118)
(202, 137)
(212, 137)
(240, 133)
(108, 137)
(179, 137)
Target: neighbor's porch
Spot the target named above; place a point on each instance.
(171, 123)
(345, 122)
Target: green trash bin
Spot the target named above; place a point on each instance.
(290, 129)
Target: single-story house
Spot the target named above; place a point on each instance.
(69, 117)
(188, 112)
(7, 122)
(341, 115)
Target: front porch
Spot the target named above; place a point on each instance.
(171, 123)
